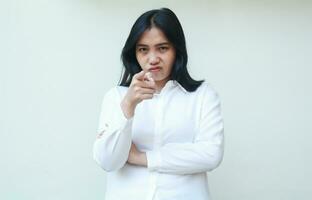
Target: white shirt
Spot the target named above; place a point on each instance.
(181, 133)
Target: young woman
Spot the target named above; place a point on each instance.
(159, 131)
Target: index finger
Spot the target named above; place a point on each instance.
(139, 75)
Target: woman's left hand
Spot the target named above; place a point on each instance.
(136, 157)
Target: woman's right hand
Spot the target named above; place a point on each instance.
(141, 87)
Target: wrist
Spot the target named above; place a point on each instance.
(127, 108)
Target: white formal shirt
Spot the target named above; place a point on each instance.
(181, 133)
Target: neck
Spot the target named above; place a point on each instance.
(160, 85)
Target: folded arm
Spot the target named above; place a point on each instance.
(111, 148)
(202, 155)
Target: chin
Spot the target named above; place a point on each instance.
(159, 79)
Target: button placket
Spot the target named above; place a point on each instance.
(156, 143)
(158, 122)
(153, 188)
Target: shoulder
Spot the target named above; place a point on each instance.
(206, 90)
(115, 93)
(209, 99)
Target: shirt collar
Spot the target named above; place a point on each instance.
(173, 83)
(179, 85)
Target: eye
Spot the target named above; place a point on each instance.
(142, 49)
(163, 48)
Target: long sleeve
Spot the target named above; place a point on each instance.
(111, 150)
(202, 155)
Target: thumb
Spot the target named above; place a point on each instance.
(148, 76)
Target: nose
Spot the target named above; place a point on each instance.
(153, 58)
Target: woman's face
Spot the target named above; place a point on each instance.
(155, 54)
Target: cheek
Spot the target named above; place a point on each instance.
(171, 59)
(140, 60)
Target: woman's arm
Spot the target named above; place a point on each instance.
(202, 155)
(111, 148)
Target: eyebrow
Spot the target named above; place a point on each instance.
(159, 44)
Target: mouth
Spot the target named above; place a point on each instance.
(154, 69)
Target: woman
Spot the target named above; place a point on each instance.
(160, 131)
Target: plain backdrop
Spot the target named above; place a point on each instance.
(58, 58)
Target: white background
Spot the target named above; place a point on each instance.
(58, 58)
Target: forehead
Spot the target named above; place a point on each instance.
(152, 36)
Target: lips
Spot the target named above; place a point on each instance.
(153, 69)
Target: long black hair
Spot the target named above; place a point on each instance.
(167, 21)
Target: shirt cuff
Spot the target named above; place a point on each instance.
(153, 160)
